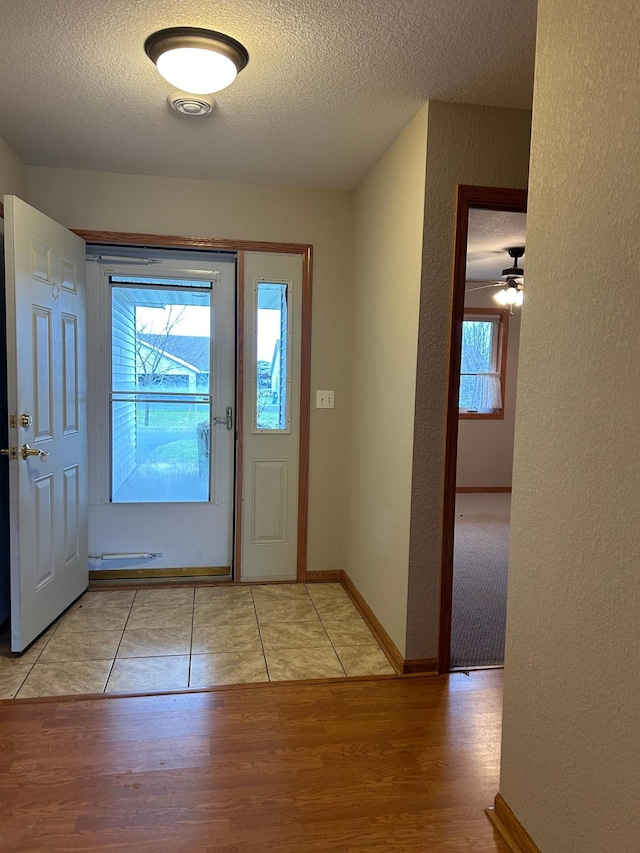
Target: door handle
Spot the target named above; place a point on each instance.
(26, 452)
(227, 420)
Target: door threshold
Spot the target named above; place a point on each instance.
(464, 669)
(144, 583)
(181, 573)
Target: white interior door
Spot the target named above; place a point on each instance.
(46, 378)
(273, 330)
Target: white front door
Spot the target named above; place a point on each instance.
(47, 395)
(163, 382)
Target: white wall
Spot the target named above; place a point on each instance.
(485, 447)
(466, 144)
(387, 252)
(134, 203)
(570, 762)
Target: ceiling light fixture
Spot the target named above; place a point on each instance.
(513, 293)
(195, 60)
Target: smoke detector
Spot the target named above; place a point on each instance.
(191, 105)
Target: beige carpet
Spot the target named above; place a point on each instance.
(480, 563)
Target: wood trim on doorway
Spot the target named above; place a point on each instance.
(237, 518)
(175, 241)
(467, 197)
(169, 241)
(305, 414)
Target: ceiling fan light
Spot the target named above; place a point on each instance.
(501, 297)
(511, 295)
(519, 298)
(195, 60)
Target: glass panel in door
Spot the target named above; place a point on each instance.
(160, 393)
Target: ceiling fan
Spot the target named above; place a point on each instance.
(512, 292)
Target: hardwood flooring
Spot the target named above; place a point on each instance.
(403, 765)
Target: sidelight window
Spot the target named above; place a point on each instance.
(272, 353)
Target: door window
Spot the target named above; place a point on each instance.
(160, 390)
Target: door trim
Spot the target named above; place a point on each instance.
(467, 197)
(237, 515)
(240, 246)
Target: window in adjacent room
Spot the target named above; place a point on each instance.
(483, 363)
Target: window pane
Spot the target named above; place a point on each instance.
(161, 353)
(477, 346)
(161, 340)
(272, 357)
(479, 392)
(175, 282)
(160, 451)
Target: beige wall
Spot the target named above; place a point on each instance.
(466, 144)
(387, 253)
(485, 447)
(97, 200)
(13, 173)
(570, 764)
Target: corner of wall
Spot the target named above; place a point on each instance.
(387, 249)
(13, 172)
(466, 144)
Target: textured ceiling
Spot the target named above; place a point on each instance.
(490, 234)
(329, 85)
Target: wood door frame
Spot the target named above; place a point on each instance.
(172, 241)
(467, 197)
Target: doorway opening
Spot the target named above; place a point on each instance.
(162, 412)
(480, 426)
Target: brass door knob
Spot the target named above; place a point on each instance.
(26, 452)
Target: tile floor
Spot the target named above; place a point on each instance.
(192, 637)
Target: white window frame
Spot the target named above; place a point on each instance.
(500, 319)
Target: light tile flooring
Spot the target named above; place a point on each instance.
(192, 637)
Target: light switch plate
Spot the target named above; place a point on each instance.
(324, 400)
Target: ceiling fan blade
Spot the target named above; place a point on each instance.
(484, 286)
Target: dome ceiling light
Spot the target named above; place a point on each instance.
(195, 60)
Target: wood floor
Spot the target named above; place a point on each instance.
(351, 767)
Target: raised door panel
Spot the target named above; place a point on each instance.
(69, 374)
(269, 500)
(42, 373)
